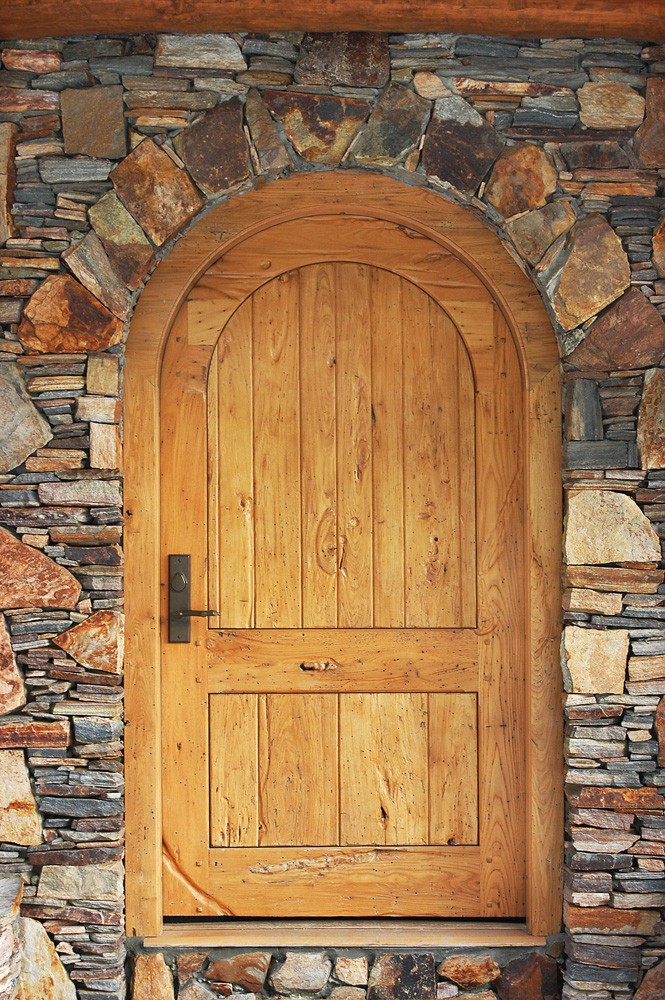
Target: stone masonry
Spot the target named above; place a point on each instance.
(110, 148)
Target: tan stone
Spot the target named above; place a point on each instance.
(43, 976)
(603, 920)
(321, 127)
(347, 993)
(126, 244)
(103, 375)
(99, 409)
(659, 248)
(352, 971)
(89, 262)
(93, 122)
(62, 316)
(105, 446)
(20, 822)
(607, 527)
(646, 668)
(650, 137)
(535, 232)
(630, 334)
(249, 970)
(522, 179)
(469, 972)
(102, 881)
(595, 660)
(22, 427)
(590, 271)
(307, 972)
(160, 195)
(593, 602)
(610, 105)
(8, 133)
(651, 421)
(204, 51)
(152, 978)
(660, 730)
(29, 579)
(81, 493)
(97, 643)
(429, 85)
(12, 688)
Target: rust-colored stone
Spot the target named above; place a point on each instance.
(320, 126)
(190, 963)
(249, 970)
(353, 59)
(62, 316)
(93, 122)
(271, 151)
(660, 731)
(614, 578)
(32, 60)
(535, 232)
(659, 248)
(652, 986)
(16, 100)
(650, 137)
(12, 688)
(628, 800)
(460, 146)
(21, 731)
(533, 977)
(395, 127)
(651, 421)
(125, 243)
(29, 579)
(630, 334)
(409, 977)
(603, 920)
(160, 195)
(522, 179)
(610, 105)
(215, 148)
(469, 972)
(8, 133)
(97, 643)
(19, 820)
(151, 979)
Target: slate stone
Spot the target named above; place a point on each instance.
(158, 194)
(22, 731)
(16, 100)
(660, 730)
(532, 977)
(650, 137)
(351, 59)
(207, 51)
(62, 316)
(652, 986)
(522, 179)
(659, 249)
(78, 170)
(534, 232)
(651, 421)
(272, 154)
(36, 581)
(19, 820)
(407, 976)
(469, 971)
(96, 643)
(594, 155)
(61, 806)
(85, 882)
(32, 60)
(607, 527)
(85, 492)
(12, 688)
(96, 730)
(248, 970)
(302, 971)
(195, 990)
(630, 334)
(589, 272)
(43, 976)
(460, 146)
(215, 148)
(22, 428)
(583, 414)
(610, 105)
(321, 127)
(8, 133)
(88, 261)
(125, 243)
(394, 129)
(93, 122)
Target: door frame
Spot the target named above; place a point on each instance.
(461, 233)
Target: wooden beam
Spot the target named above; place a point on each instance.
(513, 18)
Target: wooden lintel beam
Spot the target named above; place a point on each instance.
(514, 18)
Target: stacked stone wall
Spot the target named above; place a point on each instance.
(109, 149)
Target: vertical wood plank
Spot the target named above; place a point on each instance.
(453, 761)
(212, 400)
(467, 486)
(389, 321)
(233, 729)
(277, 557)
(383, 769)
(298, 774)
(318, 440)
(354, 436)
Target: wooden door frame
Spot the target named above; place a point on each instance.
(457, 231)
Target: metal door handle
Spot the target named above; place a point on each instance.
(179, 598)
(197, 614)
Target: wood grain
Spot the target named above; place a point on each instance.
(234, 770)
(453, 768)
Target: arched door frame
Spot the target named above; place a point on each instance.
(463, 235)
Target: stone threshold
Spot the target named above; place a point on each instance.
(399, 934)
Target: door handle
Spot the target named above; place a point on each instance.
(179, 598)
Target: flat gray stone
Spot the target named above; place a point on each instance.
(302, 971)
(394, 129)
(65, 170)
(22, 428)
(208, 51)
(85, 882)
(90, 263)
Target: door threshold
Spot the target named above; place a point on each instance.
(400, 934)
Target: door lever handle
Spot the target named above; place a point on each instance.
(197, 614)
(179, 599)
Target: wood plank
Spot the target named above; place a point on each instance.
(354, 442)
(212, 429)
(318, 445)
(277, 454)
(453, 759)
(388, 323)
(469, 489)
(383, 769)
(298, 797)
(275, 660)
(512, 19)
(234, 770)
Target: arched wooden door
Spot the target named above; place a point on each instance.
(342, 457)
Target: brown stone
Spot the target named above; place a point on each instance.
(321, 127)
(12, 688)
(215, 148)
(659, 248)
(651, 421)
(93, 122)
(352, 59)
(16, 100)
(347, 993)
(19, 820)
(89, 262)
(535, 232)
(190, 963)
(158, 194)
(29, 579)
(103, 374)
(595, 155)
(630, 334)
(522, 179)
(607, 527)
(603, 920)
(151, 978)
(610, 105)
(21, 731)
(394, 129)
(97, 643)
(43, 976)
(62, 316)
(650, 137)
(590, 271)
(595, 660)
(621, 800)
(272, 154)
(533, 977)
(248, 971)
(8, 133)
(652, 986)
(125, 242)
(460, 146)
(23, 430)
(660, 730)
(32, 60)
(469, 972)
(409, 977)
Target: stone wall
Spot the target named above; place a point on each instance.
(109, 148)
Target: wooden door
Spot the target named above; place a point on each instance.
(342, 457)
